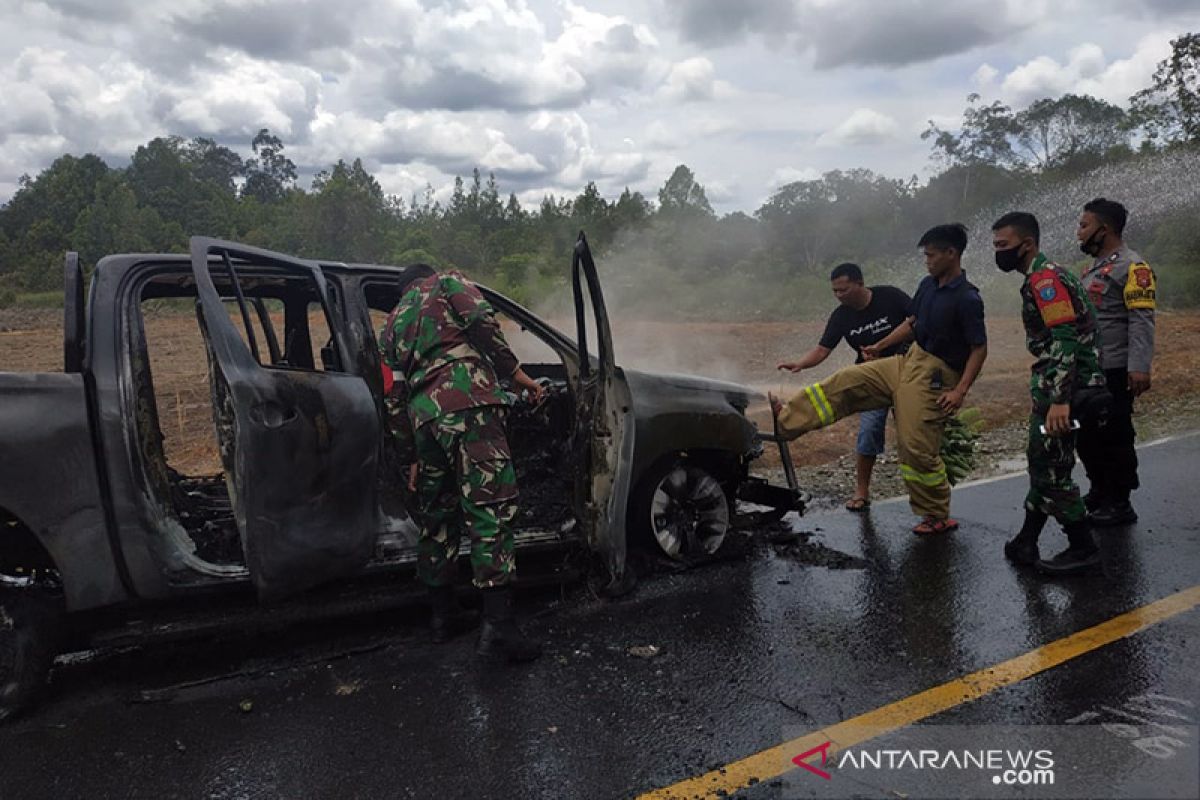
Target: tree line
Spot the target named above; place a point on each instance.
(174, 187)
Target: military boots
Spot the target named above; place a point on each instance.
(499, 636)
(1081, 555)
(446, 618)
(1022, 549)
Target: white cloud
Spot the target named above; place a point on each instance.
(985, 76)
(863, 127)
(660, 137)
(1086, 71)
(689, 81)
(786, 175)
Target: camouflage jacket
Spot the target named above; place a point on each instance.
(446, 352)
(1060, 332)
(1122, 288)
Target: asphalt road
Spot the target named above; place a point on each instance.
(704, 681)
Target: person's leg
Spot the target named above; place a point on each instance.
(872, 427)
(862, 387)
(1053, 492)
(488, 493)
(438, 511)
(437, 506)
(919, 425)
(1118, 455)
(1023, 548)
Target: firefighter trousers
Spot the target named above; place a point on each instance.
(910, 383)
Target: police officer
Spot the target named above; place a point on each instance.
(446, 354)
(925, 385)
(1122, 287)
(1060, 333)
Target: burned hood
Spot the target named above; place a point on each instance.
(736, 394)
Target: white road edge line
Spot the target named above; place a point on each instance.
(1010, 475)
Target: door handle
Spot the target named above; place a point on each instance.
(273, 415)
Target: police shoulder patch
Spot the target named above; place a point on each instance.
(1053, 301)
(1140, 287)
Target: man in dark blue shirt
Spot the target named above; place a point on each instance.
(863, 317)
(925, 385)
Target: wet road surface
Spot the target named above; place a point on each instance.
(695, 672)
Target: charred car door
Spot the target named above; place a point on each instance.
(604, 430)
(299, 446)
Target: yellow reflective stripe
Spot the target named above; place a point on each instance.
(825, 401)
(816, 404)
(927, 478)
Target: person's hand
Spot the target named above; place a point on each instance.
(950, 402)
(1058, 419)
(1139, 382)
(537, 392)
(870, 352)
(776, 404)
(412, 477)
(790, 366)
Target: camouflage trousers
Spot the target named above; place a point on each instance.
(466, 479)
(1052, 490)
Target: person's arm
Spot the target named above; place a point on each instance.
(903, 333)
(395, 397)
(1063, 355)
(952, 400)
(484, 333)
(1140, 301)
(973, 330)
(809, 360)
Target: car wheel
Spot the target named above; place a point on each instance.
(29, 623)
(685, 511)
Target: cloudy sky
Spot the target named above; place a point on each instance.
(550, 94)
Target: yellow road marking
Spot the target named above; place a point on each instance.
(775, 761)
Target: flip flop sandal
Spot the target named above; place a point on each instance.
(932, 525)
(858, 504)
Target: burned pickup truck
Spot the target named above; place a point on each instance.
(94, 516)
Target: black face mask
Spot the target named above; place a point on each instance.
(1009, 260)
(1094, 243)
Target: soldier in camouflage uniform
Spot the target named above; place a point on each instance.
(446, 355)
(1122, 288)
(1060, 332)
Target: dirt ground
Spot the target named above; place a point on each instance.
(747, 353)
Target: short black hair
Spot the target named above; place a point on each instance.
(414, 272)
(849, 270)
(952, 235)
(1025, 224)
(1110, 212)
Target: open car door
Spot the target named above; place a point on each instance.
(299, 446)
(604, 429)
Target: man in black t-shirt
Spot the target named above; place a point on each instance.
(866, 315)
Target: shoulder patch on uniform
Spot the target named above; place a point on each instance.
(1053, 301)
(1140, 286)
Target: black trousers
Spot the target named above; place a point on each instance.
(1107, 453)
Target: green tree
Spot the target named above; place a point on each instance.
(681, 196)
(1056, 133)
(1169, 109)
(214, 164)
(270, 173)
(347, 214)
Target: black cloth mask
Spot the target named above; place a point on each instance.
(1009, 260)
(1094, 243)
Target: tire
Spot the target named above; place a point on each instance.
(681, 511)
(29, 625)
